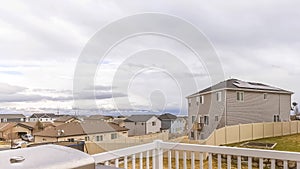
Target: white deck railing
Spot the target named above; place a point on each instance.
(176, 153)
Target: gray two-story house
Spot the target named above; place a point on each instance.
(233, 102)
(142, 124)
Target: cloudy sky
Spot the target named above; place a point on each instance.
(42, 41)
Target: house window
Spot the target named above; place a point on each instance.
(240, 96)
(197, 100)
(201, 99)
(190, 102)
(206, 120)
(87, 138)
(265, 96)
(216, 118)
(153, 123)
(192, 134)
(276, 118)
(99, 138)
(142, 124)
(135, 123)
(219, 96)
(113, 136)
(193, 119)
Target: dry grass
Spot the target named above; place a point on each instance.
(284, 143)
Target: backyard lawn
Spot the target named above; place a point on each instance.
(284, 143)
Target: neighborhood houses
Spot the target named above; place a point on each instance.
(228, 103)
(233, 102)
(54, 128)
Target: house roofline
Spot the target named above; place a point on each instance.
(78, 134)
(241, 89)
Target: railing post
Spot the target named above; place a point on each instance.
(159, 163)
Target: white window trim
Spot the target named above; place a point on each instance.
(239, 92)
(219, 96)
(265, 98)
(206, 124)
(201, 99)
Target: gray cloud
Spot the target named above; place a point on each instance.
(255, 40)
(10, 89)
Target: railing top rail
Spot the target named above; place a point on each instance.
(271, 154)
(102, 157)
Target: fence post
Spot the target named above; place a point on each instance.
(159, 163)
(225, 129)
(239, 132)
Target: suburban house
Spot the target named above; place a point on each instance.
(42, 117)
(175, 125)
(233, 102)
(13, 130)
(142, 124)
(96, 131)
(12, 118)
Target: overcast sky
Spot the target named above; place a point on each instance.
(41, 42)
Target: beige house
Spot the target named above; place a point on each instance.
(96, 131)
(13, 130)
(142, 124)
(234, 102)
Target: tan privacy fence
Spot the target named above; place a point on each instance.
(246, 132)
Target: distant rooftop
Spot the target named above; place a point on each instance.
(83, 128)
(12, 116)
(139, 118)
(167, 116)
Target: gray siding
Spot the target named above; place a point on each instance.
(255, 109)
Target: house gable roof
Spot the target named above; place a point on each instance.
(12, 116)
(139, 118)
(6, 126)
(65, 118)
(236, 84)
(167, 116)
(43, 115)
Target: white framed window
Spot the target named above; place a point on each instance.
(219, 96)
(193, 119)
(99, 138)
(153, 123)
(216, 118)
(265, 96)
(197, 100)
(240, 96)
(87, 138)
(276, 118)
(201, 99)
(113, 136)
(190, 102)
(206, 120)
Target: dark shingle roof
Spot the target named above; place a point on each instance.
(167, 116)
(138, 118)
(43, 115)
(84, 128)
(64, 118)
(12, 116)
(239, 84)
